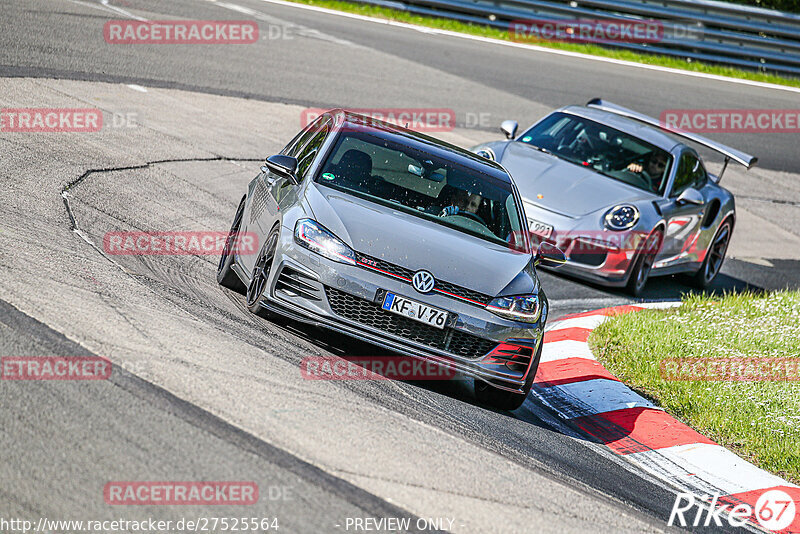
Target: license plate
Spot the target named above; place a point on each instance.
(541, 229)
(415, 310)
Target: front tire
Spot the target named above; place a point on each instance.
(644, 263)
(225, 275)
(715, 256)
(259, 279)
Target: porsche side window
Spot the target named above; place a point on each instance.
(685, 178)
(699, 175)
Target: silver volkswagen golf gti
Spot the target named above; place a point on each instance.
(401, 240)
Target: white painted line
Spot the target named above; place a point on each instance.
(287, 28)
(589, 321)
(594, 396)
(545, 50)
(122, 11)
(137, 87)
(104, 6)
(712, 464)
(559, 350)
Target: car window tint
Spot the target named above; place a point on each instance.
(393, 166)
(418, 183)
(618, 155)
(305, 157)
(687, 173)
(700, 176)
(302, 138)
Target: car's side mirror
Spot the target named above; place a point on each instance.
(549, 255)
(283, 166)
(509, 128)
(691, 196)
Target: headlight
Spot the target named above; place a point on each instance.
(622, 217)
(524, 308)
(315, 237)
(487, 153)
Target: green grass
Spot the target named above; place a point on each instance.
(487, 31)
(759, 420)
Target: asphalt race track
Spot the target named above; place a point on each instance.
(203, 390)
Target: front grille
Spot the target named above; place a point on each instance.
(385, 267)
(370, 314)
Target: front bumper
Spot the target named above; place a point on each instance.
(598, 255)
(475, 342)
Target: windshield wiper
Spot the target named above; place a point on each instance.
(545, 150)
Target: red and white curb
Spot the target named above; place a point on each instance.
(581, 391)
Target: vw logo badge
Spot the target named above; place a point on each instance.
(423, 281)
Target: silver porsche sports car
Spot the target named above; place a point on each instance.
(401, 240)
(623, 196)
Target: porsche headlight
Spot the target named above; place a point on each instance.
(315, 237)
(487, 153)
(524, 308)
(622, 217)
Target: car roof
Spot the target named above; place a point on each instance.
(624, 124)
(438, 148)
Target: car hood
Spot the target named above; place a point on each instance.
(562, 187)
(415, 243)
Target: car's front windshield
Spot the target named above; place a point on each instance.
(416, 182)
(608, 151)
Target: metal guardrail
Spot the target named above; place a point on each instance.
(718, 32)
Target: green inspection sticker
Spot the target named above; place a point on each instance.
(328, 176)
(527, 138)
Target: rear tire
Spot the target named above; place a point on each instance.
(259, 279)
(715, 256)
(644, 263)
(225, 275)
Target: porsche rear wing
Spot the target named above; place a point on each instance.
(730, 153)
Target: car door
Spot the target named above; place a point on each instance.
(684, 218)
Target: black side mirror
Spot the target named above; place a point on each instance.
(283, 166)
(549, 255)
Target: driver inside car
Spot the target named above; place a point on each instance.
(462, 201)
(653, 170)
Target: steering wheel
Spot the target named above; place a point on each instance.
(642, 179)
(470, 215)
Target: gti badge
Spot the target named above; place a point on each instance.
(423, 281)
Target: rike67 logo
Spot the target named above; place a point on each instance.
(774, 510)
